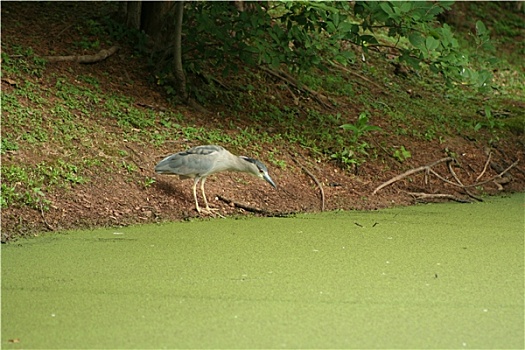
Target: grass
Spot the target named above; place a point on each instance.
(24, 185)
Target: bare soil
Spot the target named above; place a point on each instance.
(112, 197)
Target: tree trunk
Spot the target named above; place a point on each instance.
(155, 20)
(134, 10)
(122, 13)
(249, 6)
(180, 76)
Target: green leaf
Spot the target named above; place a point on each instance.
(385, 6)
(406, 7)
(346, 27)
(484, 78)
(446, 4)
(488, 112)
(480, 28)
(330, 27)
(368, 39)
(431, 43)
(446, 35)
(412, 61)
(417, 40)
(348, 56)
(335, 19)
(433, 11)
(349, 127)
(478, 126)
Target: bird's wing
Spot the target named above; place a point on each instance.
(197, 161)
(204, 150)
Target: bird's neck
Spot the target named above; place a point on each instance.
(239, 164)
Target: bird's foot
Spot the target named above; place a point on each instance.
(210, 211)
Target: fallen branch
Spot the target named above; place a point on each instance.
(341, 67)
(245, 207)
(428, 169)
(422, 195)
(100, 56)
(319, 185)
(442, 178)
(413, 171)
(287, 78)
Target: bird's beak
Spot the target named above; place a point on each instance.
(269, 180)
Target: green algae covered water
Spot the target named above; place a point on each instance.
(432, 276)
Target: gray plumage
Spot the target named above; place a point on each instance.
(201, 161)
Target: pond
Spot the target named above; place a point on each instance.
(427, 276)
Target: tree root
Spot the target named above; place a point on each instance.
(100, 56)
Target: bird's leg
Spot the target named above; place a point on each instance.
(194, 188)
(204, 194)
(208, 209)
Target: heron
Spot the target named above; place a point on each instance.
(199, 162)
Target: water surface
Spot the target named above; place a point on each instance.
(429, 276)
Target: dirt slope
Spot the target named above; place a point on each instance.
(112, 196)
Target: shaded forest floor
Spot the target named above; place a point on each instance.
(104, 171)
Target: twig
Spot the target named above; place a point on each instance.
(295, 98)
(51, 228)
(319, 185)
(413, 171)
(138, 164)
(495, 177)
(66, 28)
(459, 182)
(485, 167)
